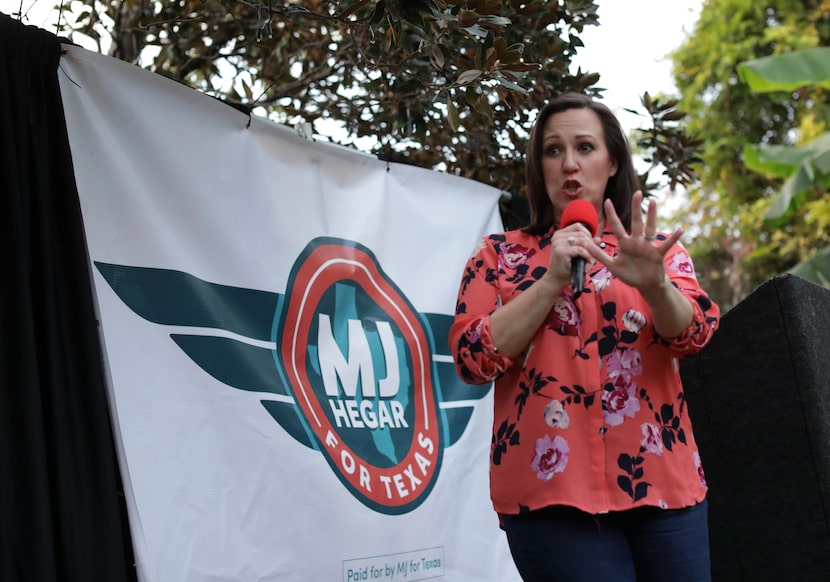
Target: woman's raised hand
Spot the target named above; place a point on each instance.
(640, 259)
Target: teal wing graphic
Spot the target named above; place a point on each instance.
(169, 297)
(176, 298)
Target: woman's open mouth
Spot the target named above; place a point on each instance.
(572, 187)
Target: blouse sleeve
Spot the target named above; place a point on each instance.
(706, 316)
(477, 360)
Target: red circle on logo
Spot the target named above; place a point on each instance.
(392, 489)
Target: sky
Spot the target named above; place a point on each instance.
(630, 47)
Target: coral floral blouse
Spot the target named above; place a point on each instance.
(592, 414)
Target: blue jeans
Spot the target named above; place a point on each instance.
(647, 544)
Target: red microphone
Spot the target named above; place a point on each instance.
(582, 212)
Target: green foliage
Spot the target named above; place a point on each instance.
(806, 168)
(446, 84)
(666, 139)
(815, 269)
(788, 71)
(442, 84)
(742, 132)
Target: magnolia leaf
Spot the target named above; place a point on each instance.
(675, 115)
(437, 56)
(509, 83)
(353, 8)
(468, 76)
(471, 94)
(489, 7)
(468, 18)
(483, 106)
(511, 57)
(249, 94)
(495, 20)
(452, 114)
(787, 72)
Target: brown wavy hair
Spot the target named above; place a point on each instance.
(621, 186)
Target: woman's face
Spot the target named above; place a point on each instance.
(575, 161)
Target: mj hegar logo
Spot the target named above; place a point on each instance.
(353, 371)
(359, 364)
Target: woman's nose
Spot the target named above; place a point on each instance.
(569, 162)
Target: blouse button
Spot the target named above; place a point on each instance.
(602, 245)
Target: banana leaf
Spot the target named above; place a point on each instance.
(805, 167)
(816, 268)
(788, 71)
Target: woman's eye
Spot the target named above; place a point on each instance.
(586, 147)
(553, 150)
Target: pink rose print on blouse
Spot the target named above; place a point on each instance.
(620, 402)
(601, 279)
(651, 442)
(514, 255)
(474, 331)
(681, 263)
(624, 363)
(699, 468)
(564, 317)
(556, 416)
(634, 321)
(551, 457)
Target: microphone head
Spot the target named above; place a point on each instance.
(583, 212)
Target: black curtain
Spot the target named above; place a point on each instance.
(759, 397)
(62, 513)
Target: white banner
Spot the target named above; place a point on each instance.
(274, 314)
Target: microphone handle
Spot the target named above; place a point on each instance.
(577, 275)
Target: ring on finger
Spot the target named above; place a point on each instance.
(571, 240)
(649, 237)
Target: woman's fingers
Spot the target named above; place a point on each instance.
(669, 242)
(613, 221)
(651, 220)
(637, 214)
